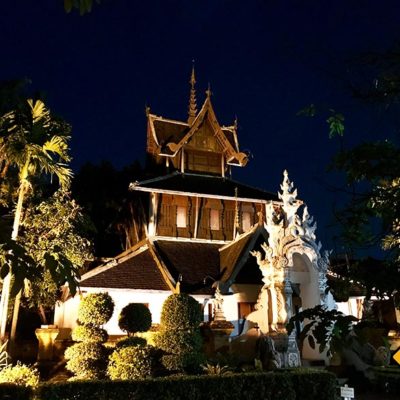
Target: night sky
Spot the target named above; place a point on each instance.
(265, 60)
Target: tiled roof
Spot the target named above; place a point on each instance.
(138, 271)
(204, 184)
(168, 131)
(196, 265)
(230, 254)
(236, 260)
(196, 262)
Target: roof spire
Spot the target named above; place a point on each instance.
(208, 91)
(192, 100)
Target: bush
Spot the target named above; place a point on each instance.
(179, 342)
(386, 379)
(20, 374)
(131, 341)
(179, 337)
(289, 385)
(132, 363)
(190, 363)
(89, 333)
(87, 360)
(14, 392)
(180, 311)
(135, 317)
(95, 309)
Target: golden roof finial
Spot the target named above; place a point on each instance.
(192, 99)
(208, 91)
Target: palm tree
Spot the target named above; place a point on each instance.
(35, 143)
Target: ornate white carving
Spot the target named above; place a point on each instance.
(289, 198)
(218, 305)
(288, 233)
(308, 224)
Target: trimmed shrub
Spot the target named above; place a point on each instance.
(131, 341)
(135, 317)
(386, 379)
(132, 363)
(179, 337)
(179, 342)
(15, 392)
(87, 360)
(89, 333)
(314, 385)
(96, 309)
(180, 310)
(190, 363)
(20, 374)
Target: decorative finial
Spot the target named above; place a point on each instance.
(235, 123)
(147, 110)
(208, 91)
(192, 100)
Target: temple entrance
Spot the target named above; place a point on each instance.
(304, 279)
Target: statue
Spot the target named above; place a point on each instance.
(266, 353)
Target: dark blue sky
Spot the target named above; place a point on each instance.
(265, 60)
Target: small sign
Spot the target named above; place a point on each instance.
(347, 392)
(396, 356)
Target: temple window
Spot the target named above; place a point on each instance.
(181, 217)
(246, 221)
(214, 220)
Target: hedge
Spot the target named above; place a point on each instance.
(386, 379)
(9, 391)
(287, 384)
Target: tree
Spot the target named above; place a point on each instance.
(102, 191)
(35, 143)
(370, 228)
(55, 226)
(84, 6)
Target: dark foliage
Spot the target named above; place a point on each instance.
(15, 392)
(386, 380)
(135, 317)
(297, 384)
(329, 329)
(102, 191)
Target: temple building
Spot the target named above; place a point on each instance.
(247, 255)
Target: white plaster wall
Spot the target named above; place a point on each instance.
(240, 293)
(350, 307)
(66, 313)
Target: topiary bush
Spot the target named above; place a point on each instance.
(89, 333)
(20, 374)
(88, 359)
(135, 317)
(180, 310)
(132, 362)
(179, 337)
(95, 309)
(180, 341)
(131, 341)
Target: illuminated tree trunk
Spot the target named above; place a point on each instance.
(5, 294)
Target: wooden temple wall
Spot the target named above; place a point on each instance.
(202, 218)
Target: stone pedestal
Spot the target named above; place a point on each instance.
(46, 336)
(221, 331)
